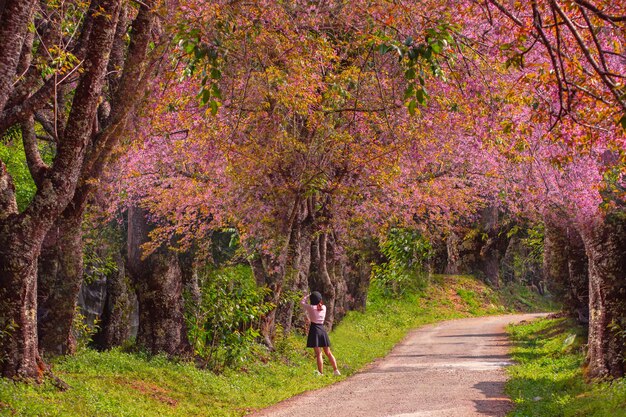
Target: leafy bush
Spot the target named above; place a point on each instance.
(224, 327)
(405, 251)
(82, 330)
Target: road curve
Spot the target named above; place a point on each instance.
(449, 369)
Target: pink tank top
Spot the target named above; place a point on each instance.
(315, 315)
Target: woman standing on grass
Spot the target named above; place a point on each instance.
(318, 338)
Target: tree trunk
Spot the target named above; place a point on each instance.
(115, 321)
(320, 279)
(606, 249)
(159, 285)
(493, 249)
(60, 275)
(189, 270)
(463, 253)
(336, 267)
(298, 266)
(359, 271)
(578, 275)
(565, 268)
(19, 247)
(266, 273)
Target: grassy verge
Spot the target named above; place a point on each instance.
(548, 380)
(117, 383)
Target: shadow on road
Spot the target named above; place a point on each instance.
(495, 404)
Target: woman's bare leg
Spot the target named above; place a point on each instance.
(320, 360)
(331, 358)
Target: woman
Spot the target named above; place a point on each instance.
(318, 338)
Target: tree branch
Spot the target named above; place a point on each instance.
(599, 12)
(16, 17)
(507, 13)
(36, 165)
(609, 83)
(132, 83)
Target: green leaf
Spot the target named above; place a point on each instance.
(409, 74)
(409, 92)
(411, 107)
(420, 95)
(205, 96)
(189, 47)
(216, 74)
(216, 92)
(622, 121)
(214, 107)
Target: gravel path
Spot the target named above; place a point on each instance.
(449, 369)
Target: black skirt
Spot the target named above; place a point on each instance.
(317, 336)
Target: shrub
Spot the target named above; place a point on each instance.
(405, 251)
(224, 327)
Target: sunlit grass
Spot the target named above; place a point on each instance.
(548, 379)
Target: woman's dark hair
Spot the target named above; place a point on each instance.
(315, 298)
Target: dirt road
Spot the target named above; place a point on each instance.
(450, 369)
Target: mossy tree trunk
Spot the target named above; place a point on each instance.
(60, 275)
(158, 282)
(606, 249)
(115, 322)
(19, 248)
(565, 268)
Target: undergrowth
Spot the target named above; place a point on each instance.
(118, 383)
(547, 380)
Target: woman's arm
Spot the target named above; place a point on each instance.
(303, 302)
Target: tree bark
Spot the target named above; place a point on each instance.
(336, 266)
(158, 283)
(15, 18)
(189, 269)
(18, 300)
(566, 269)
(606, 249)
(298, 266)
(320, 278)
(60, 275)
(8, 203)
(464, 252)
(358, 272)
(267, 273)
(115, 324)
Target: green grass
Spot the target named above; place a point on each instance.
(548, 379)
(117, 383)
